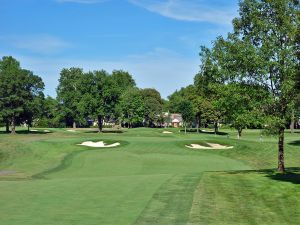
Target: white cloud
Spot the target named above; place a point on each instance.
(44, 44)
(81, 1)
(188, 10)
(161, 69)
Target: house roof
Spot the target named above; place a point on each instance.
(175, 121)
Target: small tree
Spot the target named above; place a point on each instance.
(186, 109)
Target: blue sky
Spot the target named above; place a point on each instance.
(157, 41)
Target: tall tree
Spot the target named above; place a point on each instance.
(68, 94)
(99, 96)
(209, 85)
(153, 106)
(18, 87)
(132, 107)
(263, 50)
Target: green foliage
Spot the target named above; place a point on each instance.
(153, 104)
(263, 50)
(51, 115)
(185, 108)
(68, 94)
(132, 107)
(123, 79)
(20, 91)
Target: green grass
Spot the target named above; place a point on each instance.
(152, 178)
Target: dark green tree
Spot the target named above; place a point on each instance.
(123, 79)
(185, 108)
(153, 104)
(19, 88)
(99, 96)
(68, 94)
(52, 115)
(132, 107)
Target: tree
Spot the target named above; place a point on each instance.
(32, 109)
(243, 104)
(132, 107)
(209, 85)
(186, 109)
(99, 96)
(153, 106)
(68, 94)
(123, 79)
(18, 89)
(263, 50)
(51, 115)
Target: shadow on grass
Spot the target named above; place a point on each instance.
(291, 175)
(296, 143)
(203, 132)
(104, 131)
(67, 160)
(295, 131)
(26, 132)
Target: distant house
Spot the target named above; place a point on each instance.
(173, 119)
(176, 120)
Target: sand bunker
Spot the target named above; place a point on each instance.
(7, 172)
(167, 132)
(34, 130)
(47, 131)
(71, 130)
(99, 144)
(211, 146)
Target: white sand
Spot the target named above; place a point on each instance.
(71, 130)
(212, 146)
(167, 132)
(99, 144)
(34, 130)
(47, 131)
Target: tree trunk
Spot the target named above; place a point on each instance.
(239, 133)
(100, 124)
(216, 127)
(197, 123)
(292, 125)
(281, 167)
(74, 125)
(13, 125)
(7, 126)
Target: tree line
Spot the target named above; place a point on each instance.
(82, 97)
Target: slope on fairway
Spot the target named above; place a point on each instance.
(150, 181)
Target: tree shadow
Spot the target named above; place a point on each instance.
(104, 131)
(203, 132)
(291, 175)
(296, 143)
(26, 132)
